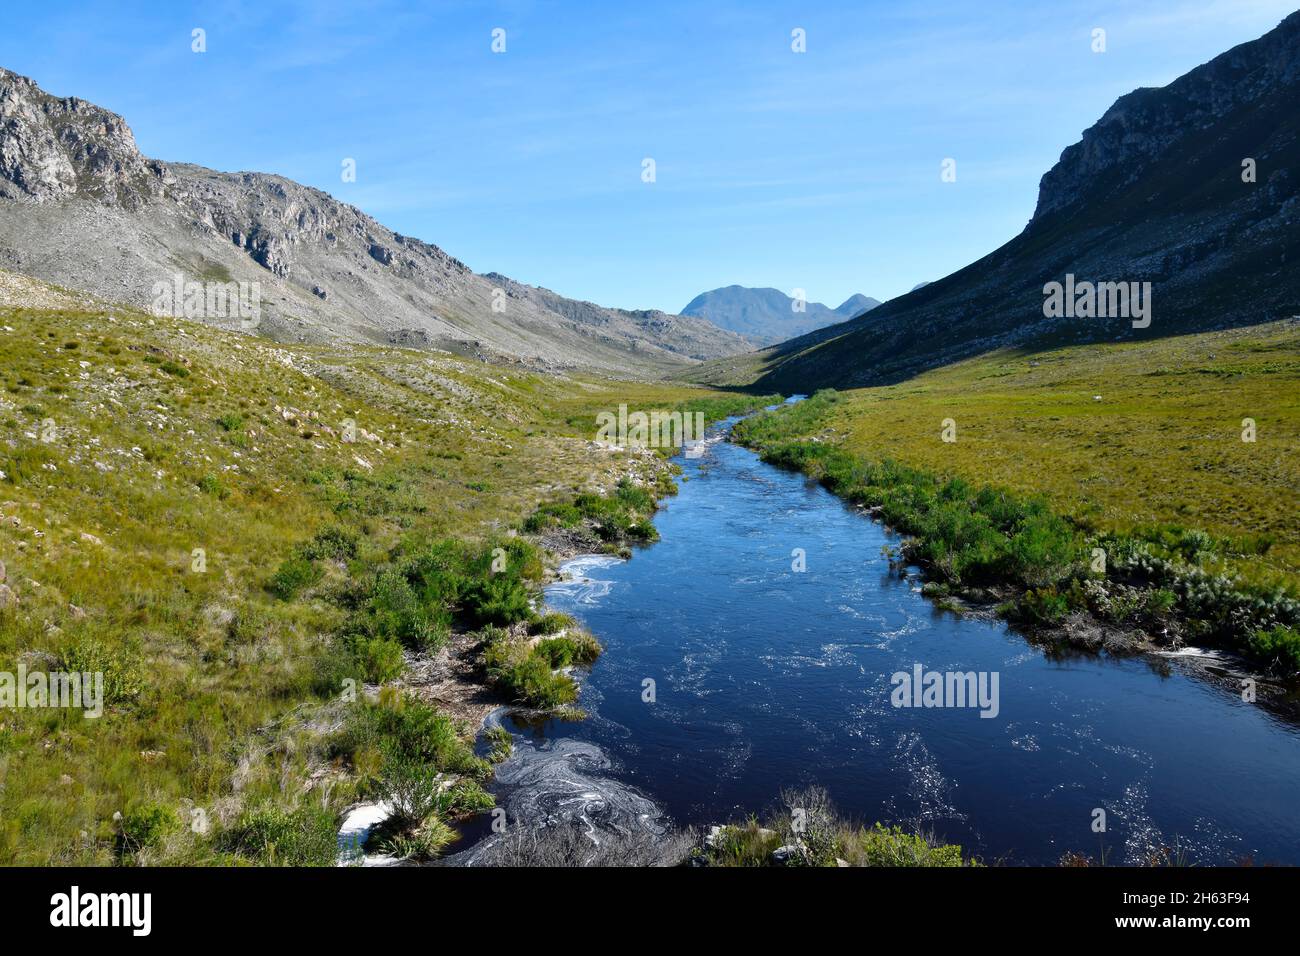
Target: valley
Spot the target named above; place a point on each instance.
(372, 558)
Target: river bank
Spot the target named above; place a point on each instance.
(621, 804)
(771, 668)
(1143, 591)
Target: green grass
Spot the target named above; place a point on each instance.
(1162, 446)
(529, 672)
(1223, 589)
(222, 545)
(808, 829)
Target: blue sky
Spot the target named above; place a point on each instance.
(818, 171)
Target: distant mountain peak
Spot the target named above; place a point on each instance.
(768, 315)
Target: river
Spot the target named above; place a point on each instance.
(729, 674)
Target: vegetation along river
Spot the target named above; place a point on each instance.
(767, 677)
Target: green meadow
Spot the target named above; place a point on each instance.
(230, 529)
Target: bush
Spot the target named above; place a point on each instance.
(500, 600)
(808, 825)
(145, 826)
(575, 648)
(276, 836)
(526, 674)
(749, 844)
(552, 623)
(1042, 607)
(464, 798)
(86, 654)
(378, 659)
(213, 485)
(891, 846)
(405, 725)
(409, 785)
(623, 515)
(1279, 647)
(503, 744)
(424, 841)
(396, 613)
(292, 576)
(336, 544)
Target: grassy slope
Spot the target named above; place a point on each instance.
(171, 436)
(1163, 444)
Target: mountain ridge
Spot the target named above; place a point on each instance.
(82, 207)
(1155, 191)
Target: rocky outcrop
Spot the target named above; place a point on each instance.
(1138, 130)
(53, 148)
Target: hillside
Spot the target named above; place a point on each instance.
(1155, 191)
(766, 316)
(182, 510)
(81, 207)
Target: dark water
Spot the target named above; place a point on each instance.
(766, 678)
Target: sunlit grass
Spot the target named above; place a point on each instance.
(157, 478)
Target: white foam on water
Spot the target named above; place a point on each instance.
(577, 583)
(354, 831)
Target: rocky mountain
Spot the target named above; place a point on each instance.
(81, 207)
(768, 315)
(1193, 187)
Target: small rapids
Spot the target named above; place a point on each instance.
(562, 806)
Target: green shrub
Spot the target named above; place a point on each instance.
(424, 841)
(277, 836)
(405, 725)
(1042, 607)
(746, 845)
(503, 744)
(891, 846)
(552, 623)
(526, 675)
(213, 485)
(337, 544)
(578, 647)
(396, 613)
(409, 785)
(144, 826)
(88, 654)
(292, 576)
(1278, 646)
(378, 659)
(464, 798)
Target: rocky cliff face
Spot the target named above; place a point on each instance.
(1193, 188)
(1137, 131)
(54, 148)
(80, 206)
